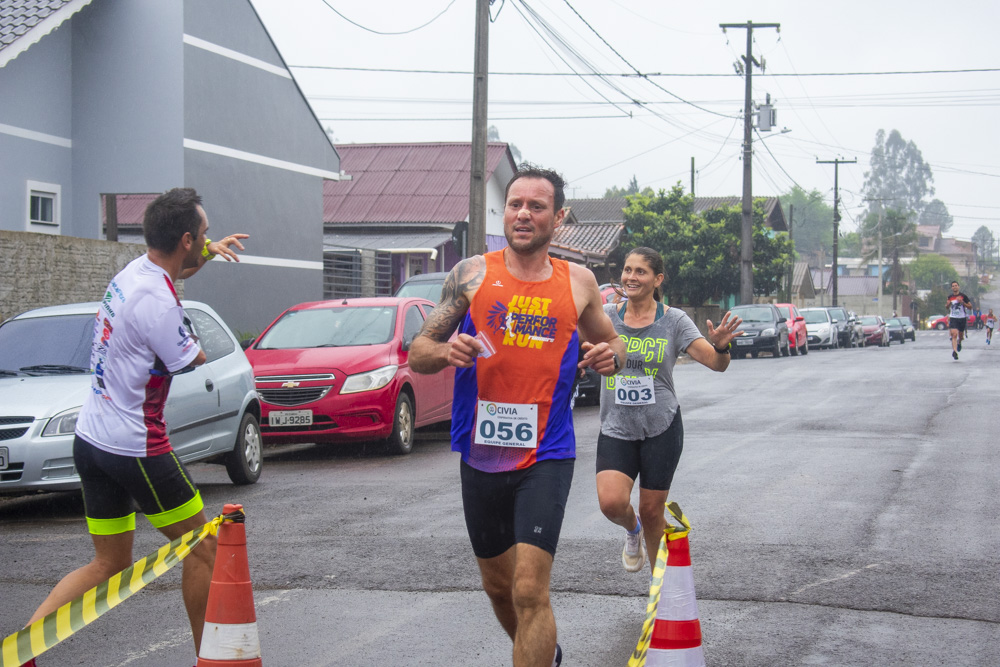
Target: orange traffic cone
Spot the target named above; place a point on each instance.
(230, 636)
(676, 637)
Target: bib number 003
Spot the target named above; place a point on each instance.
(507, 424)
(634, 390)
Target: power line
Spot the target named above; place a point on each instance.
(378, 32)
(641, 75)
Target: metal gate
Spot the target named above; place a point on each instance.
(352, 273)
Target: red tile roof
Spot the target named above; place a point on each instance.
(131, 208)
(405, 183)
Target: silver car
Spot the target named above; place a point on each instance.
(212, 412)
(821, 330)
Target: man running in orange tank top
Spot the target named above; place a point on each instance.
(522, 318)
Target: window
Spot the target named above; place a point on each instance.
(412, 324)
(212, 338)
(43, 207)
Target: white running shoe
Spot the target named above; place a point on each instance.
(634, 551)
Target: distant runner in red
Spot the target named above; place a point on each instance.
(959, 308)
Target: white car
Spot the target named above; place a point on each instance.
(820, 328)
(212, 412)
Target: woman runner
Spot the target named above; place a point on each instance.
(641, 430)
(991, 324)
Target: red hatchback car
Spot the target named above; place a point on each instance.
(798, 338)
(337, 371)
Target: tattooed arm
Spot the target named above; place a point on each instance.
(431, 350)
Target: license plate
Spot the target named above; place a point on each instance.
(744, 341)
(290, 418)
(3, 458)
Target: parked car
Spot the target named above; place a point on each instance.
(909, 331)
(797, 334)
(212, 412)
(765, 330)
(896, 330)
(939, 322)
(875, 332)
(588, 388)
(424, 286)
(848, 330)
(337, 371)
(608, 294)
(821, 327)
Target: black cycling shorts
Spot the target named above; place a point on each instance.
(522, 506)
(957, 323)
(159, 485)
(653, 460)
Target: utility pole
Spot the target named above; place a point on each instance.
(476, 244)
(836, 219)
(746, 246)
(692, 176)
(791, 269)
(881, 206)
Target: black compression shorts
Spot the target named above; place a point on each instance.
(957, 323)
(653, 459)
(522, 506)
(159, 485)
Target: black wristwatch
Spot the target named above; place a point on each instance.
(618, 364)
(724, 350)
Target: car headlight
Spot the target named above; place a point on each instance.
(375, 379)
(767, 332)
(63, 423)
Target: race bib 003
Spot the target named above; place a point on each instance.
(634, 390)
(507, 424)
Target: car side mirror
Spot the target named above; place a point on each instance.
(407, 342)
(800, 319)
(835, 321)
(782, 319)
(247, 342)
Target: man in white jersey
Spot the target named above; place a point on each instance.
(959, 308)
(121, 448)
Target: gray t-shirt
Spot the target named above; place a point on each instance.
(652, 351)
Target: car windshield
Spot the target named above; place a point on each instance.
(55, 345)
(894, 322)
(839, 315)
(906, 321)
(751, 314)
(784, 311)
(869, 321)
(331, 327)
(815, 316)
(426, 290)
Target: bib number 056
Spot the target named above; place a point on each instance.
(507, 424)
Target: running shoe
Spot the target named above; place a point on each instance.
(558, 659)
(954, 355)
(634, 552)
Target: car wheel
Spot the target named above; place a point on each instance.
(787, 349)
(939, 326)
(401, 439)
(776, 352)
(753, 355)
(805, 347)
(246, 460)
(793, 349)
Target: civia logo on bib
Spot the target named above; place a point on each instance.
(525, 322)
(491, 408)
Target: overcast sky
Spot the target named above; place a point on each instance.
(600, 131)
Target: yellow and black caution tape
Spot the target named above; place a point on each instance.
(638, 657)
(46, 632)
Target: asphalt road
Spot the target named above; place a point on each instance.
(843, 507)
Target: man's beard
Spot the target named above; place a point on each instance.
(527, 247)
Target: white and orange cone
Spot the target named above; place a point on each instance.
(230, 635)
(676, 637)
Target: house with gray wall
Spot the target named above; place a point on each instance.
(119, 97)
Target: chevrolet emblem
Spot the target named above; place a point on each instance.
(289, 385)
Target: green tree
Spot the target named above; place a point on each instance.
(986, 245)
(929, 271)
(850, 244)
(812, 221)
(936, 213)
(899, 238)
(899, 178)
(633, 189)
(701, 253)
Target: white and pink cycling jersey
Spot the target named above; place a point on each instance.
(139, 339)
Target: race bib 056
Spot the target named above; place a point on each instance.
(507, 424)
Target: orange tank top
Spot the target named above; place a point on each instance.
(513, 407)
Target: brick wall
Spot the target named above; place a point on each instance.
(47, 270)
